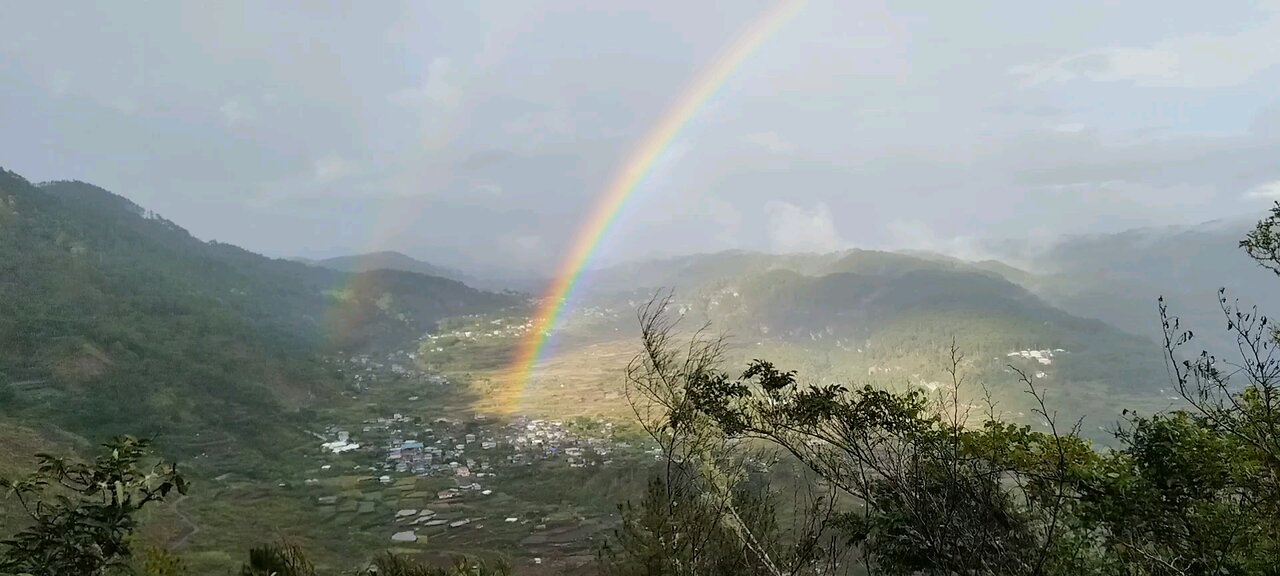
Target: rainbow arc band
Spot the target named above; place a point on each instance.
(625, 182)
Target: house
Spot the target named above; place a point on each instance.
(411, 450)
(462, 472)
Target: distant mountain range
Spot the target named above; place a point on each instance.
(114, 319)
(1118, 277)
(1115, 278)
(1094, 297)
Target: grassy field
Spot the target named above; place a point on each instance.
(583, 380)
(336, 507)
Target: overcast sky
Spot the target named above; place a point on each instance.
(482, 132)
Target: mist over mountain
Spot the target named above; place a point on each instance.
(1118, 277)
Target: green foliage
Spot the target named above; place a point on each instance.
(1263, 242)
(161, 562)
(281, 559)
(397, 565)
(928, 487)
(117, 321)
(675, 530)
(82, 516)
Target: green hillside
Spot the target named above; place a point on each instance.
(115, 320)
(387, 260)
(889, 319)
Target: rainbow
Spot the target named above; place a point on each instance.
(628, 178)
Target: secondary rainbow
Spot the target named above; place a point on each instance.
(628, 178)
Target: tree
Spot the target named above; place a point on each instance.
(926, 486)
(704, 513)
(82, 516)
(287, 559)
(398, 565)
(280, 559)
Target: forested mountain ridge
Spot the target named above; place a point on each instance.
(115, 320)
(889, 318)
(389, 260)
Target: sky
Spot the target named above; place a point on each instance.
(479, 134)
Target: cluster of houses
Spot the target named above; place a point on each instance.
(479, 329)
(470, 451)
(1044, 357)
(1041, 357)
(365, 370)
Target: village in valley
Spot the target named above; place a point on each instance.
(411, 461)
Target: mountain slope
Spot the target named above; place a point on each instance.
(114, 320)
(505, 281)
(890, 318)
(387, 260)
(1118, 277)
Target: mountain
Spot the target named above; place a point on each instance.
(116, 320)
(1118, 277)
(866, 316)
(387, 260)
(486, 279)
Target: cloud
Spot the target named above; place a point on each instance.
(526, 247)
(441, 87)
(916, 235)
(491, 191)
(1069, 128)
(772, 142)
(1188, 61)
(331, 168)
(1268, 191)
(124, 105)
(234, 111)
(794, 228)
(1106, 65)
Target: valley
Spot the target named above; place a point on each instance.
(380, 409)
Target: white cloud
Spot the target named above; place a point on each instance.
(1069, 128)
(234, 111)
(527, 247)
(794, 228)
(1268, 191)
(123, 105)
(60, 83)
(772, 142)
(489, 190)
(330, 168)
(916, 235)
(441, 88)
(1105, 65)
(1189, 61)
(725, 219)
